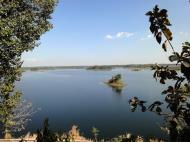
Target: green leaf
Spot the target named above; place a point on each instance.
(162, 81)
(156, 9)
(186, 64)
(186, 46)
(149, 13)
(168, 33)
(185, 70)
(173, 58)
(158, 110)
(167, 22)
(152, 28)
(164, 46)
(163, 13)
(159, 37)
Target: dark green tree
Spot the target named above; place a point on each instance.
(95, 132)
(22, 22)
(45, 134)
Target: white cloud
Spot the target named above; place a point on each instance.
(184, 33)
(124, 34)
(109, 37)
(147, 37)
(119, 35)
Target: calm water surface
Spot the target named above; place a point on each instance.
(79, 96)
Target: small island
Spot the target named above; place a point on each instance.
(116, 82)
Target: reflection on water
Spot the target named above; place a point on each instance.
(77, 96)
(117, 90)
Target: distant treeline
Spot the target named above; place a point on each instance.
(99, 67)
(52, 68)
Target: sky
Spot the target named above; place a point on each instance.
(107, 32)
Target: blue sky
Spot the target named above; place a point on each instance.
(99, 32)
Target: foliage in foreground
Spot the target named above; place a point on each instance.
(22, 22)
(177, 121)
(46, 135)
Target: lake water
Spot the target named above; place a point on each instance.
(79, 96)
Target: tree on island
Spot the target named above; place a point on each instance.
(22, 22)
(115, 79)
(177, 121)
(116, 82)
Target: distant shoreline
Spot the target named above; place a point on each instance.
(100, 67)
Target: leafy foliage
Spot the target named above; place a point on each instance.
(45, 134)
(95, 132)
(177, 121)
(22, 115)
(127, 138)
(159, 23)
(22, 22)
(134, 102)
(164, 73)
